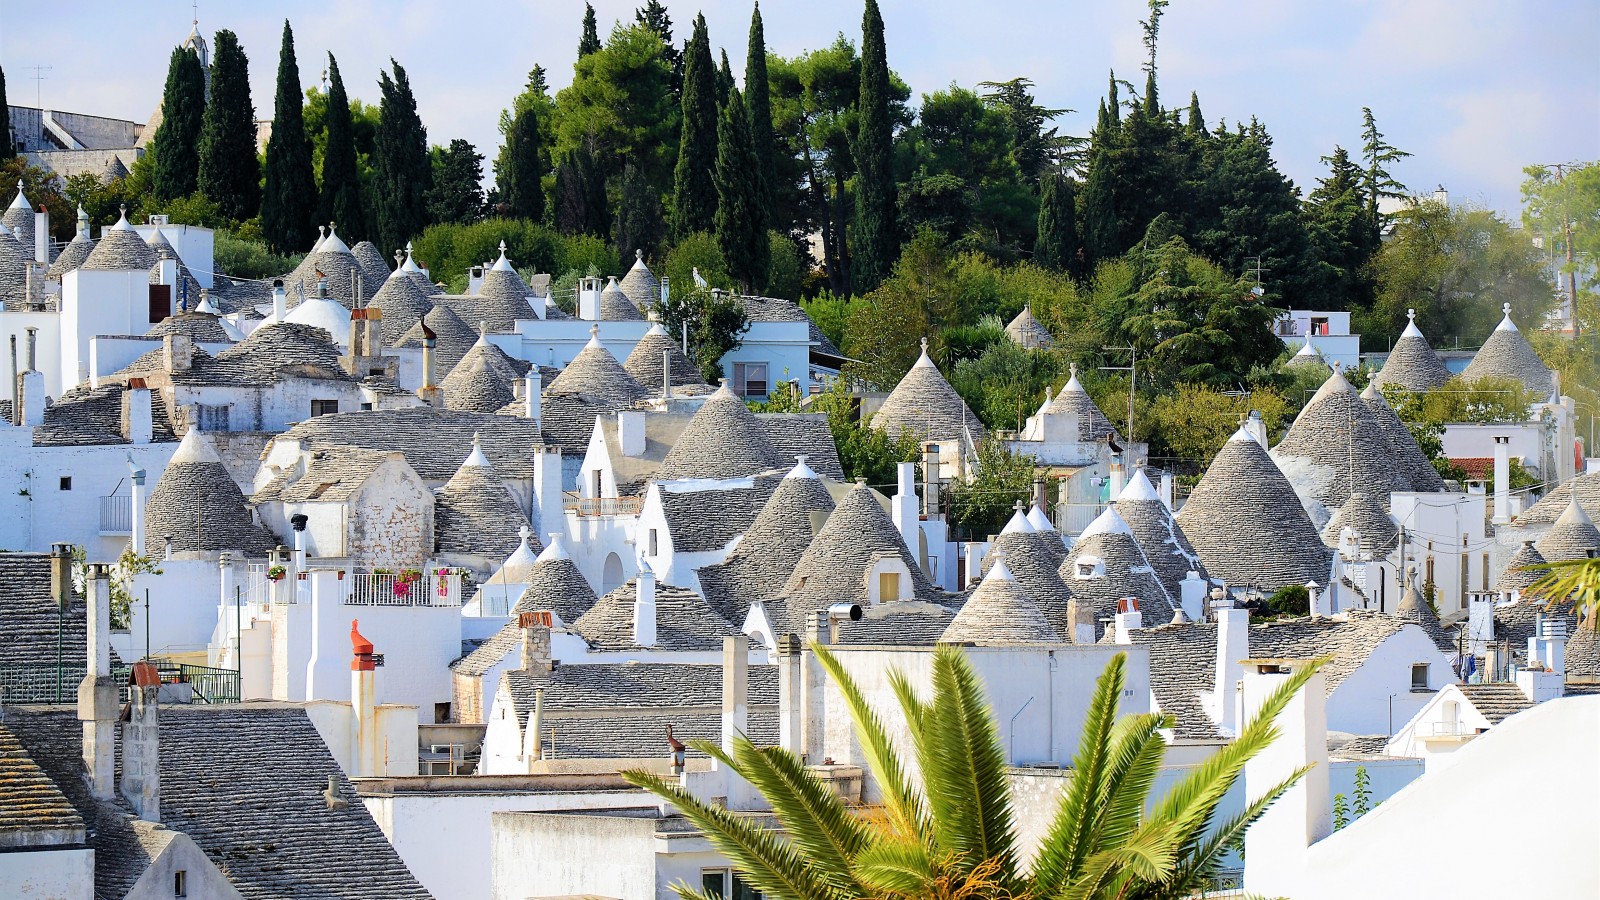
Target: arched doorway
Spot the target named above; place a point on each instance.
(611, 576)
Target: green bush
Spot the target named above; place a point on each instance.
(448, 250)
(1290, 600)
(246, 258)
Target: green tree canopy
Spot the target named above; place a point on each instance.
(176, 146)
(740, 229)
(875, 237)
(694, 195)
(229, 171)
(403, 172)
(342, 201)
(290, 198)
(619, 110)
(590, 41)
(456, 195)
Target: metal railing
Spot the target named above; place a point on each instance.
(606, 506)
(116, 514)
(46, 684)
(40, 684)
(439, 587)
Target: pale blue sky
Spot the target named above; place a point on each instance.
(1475, 88)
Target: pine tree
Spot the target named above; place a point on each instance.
(653, 15)
(1257, 215)
(1196, 125)
(457, 194)
(341, 201)
(176, 147)
(590, 42)
(402, 172)
(1113, 105)
(520, 175)
(7, 150)
(638, 224)
(1057, 246)
(874, 235)
(1343, 236)
(230, 173)
(291, 193)
(694, 196)
(741, 234)
(1378, 153)
(758, 104)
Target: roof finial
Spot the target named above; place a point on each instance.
(1506, 307)
(1072, 370)
(477, 443)
(502, 248)
(638, 255)
(483, 329)
(1412, 315)
(924, 346)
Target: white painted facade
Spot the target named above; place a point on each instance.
(1328, 332)
(48, 873)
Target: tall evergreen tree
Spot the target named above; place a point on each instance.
(341, 200)
(724, 80)
(457, 193)
(1057, 246)
(290, 200)
(590, 42)
(7, 149)
(638, 225)
(581, 195)
(1152, 32)
(758, 104)
(653, 15)
(402, 171)
(1343, 236)
(520, 173)
(176, 147)
(230, 173)
(694, 196)
(1032, 145)
(1257, 216)
(1378, 154)
(741, 233)
(1196, 124)
(875, 239)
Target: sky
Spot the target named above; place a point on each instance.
(1475, 89)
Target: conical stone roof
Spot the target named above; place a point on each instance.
(475, 512)
(1378, 533)
(924, 404)
(766, 556)
(1027, 331)
(1586, 488)
(1507, 354)
(1158, 534)
(410, 267)
(1414, 609)
(594, 372)
(13, 268)
(113, 170)
(198, 504)
(1034, 559)
(120, 249)
(371, 261)
(1336, 447)
(1000, 612)
(615, 305)
(342, 273)
(1247, 524)
(1409, 461)
(1092, 423)
(1571, 537)
(644, 363)
(403, 303)
(1518, 575)
(1106, 564)
(639, 285)
(19, 217)
(200, 327)
(71, 256)
(723, 440)
(484, 381)
(555, 584)
(453, 339)
(1309, 357)
(1412, 365)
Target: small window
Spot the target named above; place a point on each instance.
(1419, 677)
(66, 482)
(750, 379)
(324, 407)
(714, 882)
(653, 546)
(213, 417)
(160, 302)
(888, 586)
(599, 482)
(180, 883)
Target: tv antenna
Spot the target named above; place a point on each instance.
(38, 83)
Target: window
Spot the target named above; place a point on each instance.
(1419, 677)
(750, 379)
(324, 407)
(888, 586)
(654, 551)
(160, 302)
(1428, 567)
(212, 418)
(66, 482)
(727, 884)
(1319, 325)
(599, 482)
(180, 883)
(1484, 573)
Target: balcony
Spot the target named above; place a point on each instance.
(439, 587)
(116, 515)
(606, 506)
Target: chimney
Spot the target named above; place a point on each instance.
(1276, 844)
(356, 315)
(735, 712)
(41, 236)
(61, 574)
(169, 271)
(33, 348)
(280, 301)
(298, 523)
(630, 432)
(790, 692)
(1318, 599)
(1548, 646)
(1257, 427)
(1166, 490)
(177, 352)
(429, 392)
(535, 643)
(930, 479)
(644, 608)
(136, 501)
(141, 748)
(97, 693)
(536, 726)
(547, 492)
(1128, 620)
(1080, 617)
(904, 508)
(1192, 596)
(666, 374)
(16, 385)
(1502, 479)
(531, 399)
(1233, 645)
(372, 345)
(1118, 476)
(138, 413)
(364, 706)
(32, 398)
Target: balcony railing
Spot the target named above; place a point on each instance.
(439, 587)
(116, 514)
(606, 506)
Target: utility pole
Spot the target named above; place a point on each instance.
(1133, 378)
(38, 84)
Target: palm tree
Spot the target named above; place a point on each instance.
(949, 832)
(1574, 581)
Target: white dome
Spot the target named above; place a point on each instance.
(321, 312)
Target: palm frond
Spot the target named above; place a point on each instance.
(897, 866)
(1199, 861)
(1146, 856)
(1135, 756)
(1574, 581)
(905, 809)
(1069, 841)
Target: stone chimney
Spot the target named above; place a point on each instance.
(177, 350)
(1502, 480)
(141, 747)
(97, 694)
(535, 644)
(550, 517)
(1544, 678)
(136, 500)
(1166, 490)
(138, 413)
(1233, 645)
(1257, 427)
(1276, 844)
(1118, 476)
(430, 391)
(531, 399)
(644, 607)
(1080, 618)
(16, 385)
(1128, 620)
(631, 432)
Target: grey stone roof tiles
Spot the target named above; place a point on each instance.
(1516, 622)
(114, 169)
(1027, 331)
(1550, 508)
(1183, 660)
(640, 284)
(1507, 354)
(644, 362)
(332, 475)
(766, 556)
(776, 309)
(88, 416)
(723, 440)
(569, 419)
(1412, 608)
(793, 434)
(594, 372)
(1517, 575)
(1106, 564)
(434, 441)
(1348, 639)
(1034, 559)
(485, 380)
(453, 339)
(475, 512)
(1496, 701)
(709, 518)
(1247, 524)
(1409, 461)
(1378, 532)
(268, 355)
(1092, 422)
(19, 218)
(1412, 365)
(555, 584)
(488, 654)
(498, 314)
(1000, 612)
(925, 404)
(28, 621)
(371, 261)
(684, 621)
(901, 623)
(403, 303)
(71, 256)
(1158, 534)
(198, 326)
(13, 271)
(120, 248)
(1335, 447)
(343, 273)
(1582, 656)
(1571, 537)
(31, 805)
(199, 505)
(615, 305)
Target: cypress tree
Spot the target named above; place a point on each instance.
(176, 146)
(638, 214)
(590, 42)
(1056, 246)
(457, 194)
(875, 241)
(581, 194)
(724, 81)
(290, 200)
(1196, 125)
(7, 150)
(758, 105)
(520, 177)
(694, 196)
(741, 233)
(402, 171)
(1113, 105)
(230, 174)
(341, 182)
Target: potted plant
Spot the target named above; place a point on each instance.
(404, 581)
(276, 574)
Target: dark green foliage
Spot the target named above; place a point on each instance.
(1196, 123)
(519, 174)
(1378, 155)
(1099, 209)
(1252, 211)
(638, 223)
(403, 174)
(965, 184)
(694, 196)
(590, 41)
(230, 173)
(717, 323)
(1057, 246)
(456, 195)
(1343, 236)
(758, 106)
(724, 81)
(177, 141)
(7, 149)
(980, 506)
(1290, 600)
(290, 199)
(653, 15)
(532, 247)
(1152, 33)
(740, 229)
(1033, 147)
(341, 181)
(875, 236)
(581, 195)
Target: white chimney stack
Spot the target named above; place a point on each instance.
(1192, 594)
(531, 399)
(735, 711)
(136, 498)
(1233, 645)
(280, 301)
(1275, 846)
(904, 507)
(1502, 479)
(1118, 476)
(369, 751)
(97, 694)
(1166, 490)
(1128, 620)
(644, 608)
